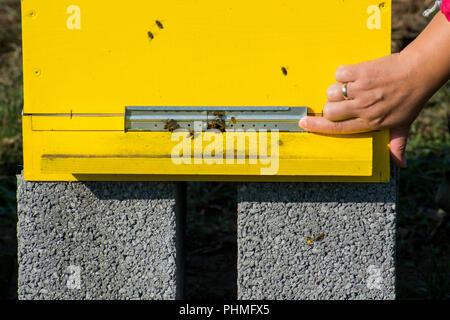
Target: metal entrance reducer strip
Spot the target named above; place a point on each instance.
(162, 119)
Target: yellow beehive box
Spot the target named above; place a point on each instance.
(126, 90)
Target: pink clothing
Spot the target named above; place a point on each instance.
(445, 7)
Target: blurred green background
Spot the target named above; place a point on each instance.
(422, 233)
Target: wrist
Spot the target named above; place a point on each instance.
(413, 63)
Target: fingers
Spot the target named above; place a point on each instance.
(399, 138)
(334, 92)
(341, 110)
(348, 73)
(322, 125)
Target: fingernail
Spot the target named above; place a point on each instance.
(303, 123)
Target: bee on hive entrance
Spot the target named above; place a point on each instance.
(217, 114)
(191, 134)
(218, 122)
(171, 125)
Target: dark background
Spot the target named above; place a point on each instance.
(422, 232)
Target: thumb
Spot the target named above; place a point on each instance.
(399, 138)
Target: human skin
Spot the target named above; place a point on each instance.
(388, 92)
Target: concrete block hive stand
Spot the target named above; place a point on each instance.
(96, 240)
(353, 260)
(118, 240)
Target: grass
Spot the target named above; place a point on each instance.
(423, 264)
(422, 261)
(11, 103)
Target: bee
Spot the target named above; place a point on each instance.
(284, 70)
(191, 134)
(319, 237)
(217, 114)
(222, 126)
(171, 125)
(159, 24)
(233, 120)
(310, 240)
(150, 35)
(217, 124)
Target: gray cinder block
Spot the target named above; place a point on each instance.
(96, 240)
(353, 260)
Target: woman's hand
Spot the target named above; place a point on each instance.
(383, 94)
(388, 92)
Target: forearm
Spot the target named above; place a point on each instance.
(429, 55)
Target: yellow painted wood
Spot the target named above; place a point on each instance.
(49, 161)
(51, 155)
(208, 53)
(48, 158)
(150, 153)
(77, 123)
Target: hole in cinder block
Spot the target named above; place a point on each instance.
(210, 245)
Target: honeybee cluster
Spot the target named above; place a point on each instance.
(218, 123)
